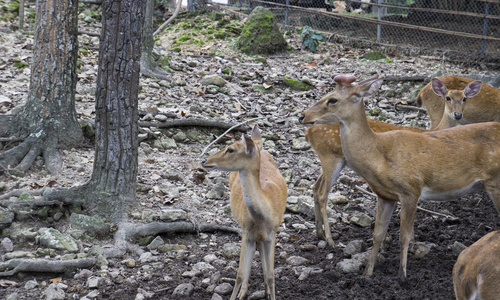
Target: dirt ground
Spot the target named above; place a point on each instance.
(429, 277)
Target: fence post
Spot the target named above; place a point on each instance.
(286, 12)
(485, 27)
(379, 26)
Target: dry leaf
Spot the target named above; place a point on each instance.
(51, 183)
(183, 113)
(267, 85)
(238, 106)
(55, 280)
(311, 65)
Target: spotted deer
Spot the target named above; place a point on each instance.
(407, 166)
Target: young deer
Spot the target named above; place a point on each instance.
(406, 166)
(484, 108)
(325, 141)
(476, 274)
(258, 200)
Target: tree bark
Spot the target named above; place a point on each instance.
(48, 120)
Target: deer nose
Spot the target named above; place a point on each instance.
(301, 118)
(203, 162)
(458, 116)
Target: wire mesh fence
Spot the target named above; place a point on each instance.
(460, 30)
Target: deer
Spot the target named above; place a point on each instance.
(476, 274)
(258, 195)
(484, 108)
(407, 166)
(326, 143)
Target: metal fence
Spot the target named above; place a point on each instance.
(459, 30)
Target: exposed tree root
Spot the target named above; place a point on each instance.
(192, 122)
(149, 68)
(20, 158)
(14, 266)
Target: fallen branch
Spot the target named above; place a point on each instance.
(191, 122)
(44, 265)
(237, 125)
(399, 107)
(407, 78)
(174, 15)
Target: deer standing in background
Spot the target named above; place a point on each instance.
(406, 166)
(258, 199)
(325, 140)
(476, 274)
(484, 108)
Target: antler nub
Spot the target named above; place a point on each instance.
(344, 79)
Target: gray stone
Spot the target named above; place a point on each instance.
(172, 215)
(458, 247)
(7, 245)
(338, 199)
(216, 297)
(213, 80)
(171, 247)
(6, 217)
(354, 247)
(168, 143)
(231, 250)
(217, 191)
(257, 295)
(297, 261)
(13, 296)
(147, 257)
(52, 238)
(54, 292)
(157, 242)
(362, 220)
(421, 249)
(18, 254)
(300, 144)
(30, 284)
(183, 290)
(93, 282)
(224, 289)
(203, 266)
(210, 258)
(91, 225)
(349, 265)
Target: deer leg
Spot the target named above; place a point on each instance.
(493, 189)
(246, 257)
(321, 189)
(385, 209)
(266, 249)
(408, 212)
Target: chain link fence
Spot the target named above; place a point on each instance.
(456, 30)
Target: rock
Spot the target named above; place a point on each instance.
(349, 265)
(224, 289)
(257, 295)
(421, 249)
(297, 85)
(93, 282)
(54, 292)
(231, 250)
(19, 254)
(297, 261)
(217, 191)
(216, 297)
(13, 296)
(260, 34)
(210, 258)
(7, 245)
(94, 225)
(300, 144)
(337, 198)
(172, 215)
(362, 220)
(6, 217)
(52, 238)
(171, 247)
(183, 290)
(157, 242)
(354, 247)
(30, 284)
(147, 257)
(213, 80)
(458, 247)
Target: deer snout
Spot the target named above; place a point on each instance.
(457, 115)
(203, 162)
(301, 118)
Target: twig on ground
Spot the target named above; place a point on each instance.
(190, 122)
(399, 106)
(237, 125)
(44, 265)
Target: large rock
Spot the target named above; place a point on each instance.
(92, 225)
(6, 217)
(260, 34)
(52, 238)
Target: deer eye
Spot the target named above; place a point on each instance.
(229, 150)
(464, 99)
(332, 101)
(448, 98)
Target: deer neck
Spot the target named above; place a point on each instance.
(358, 139)
(253, 195)
(446, 122)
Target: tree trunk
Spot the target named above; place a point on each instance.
(149, 67)
(48, 120)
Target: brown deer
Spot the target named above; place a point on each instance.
(476, 274)
(325, 140)
(258, 199)
(484, 108)
(406, 166)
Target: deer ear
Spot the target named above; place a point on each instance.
(438, 87)
(255, 132)
(369, 86)
(473, 88)
(250, 148)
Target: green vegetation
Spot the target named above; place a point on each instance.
(310, 39)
